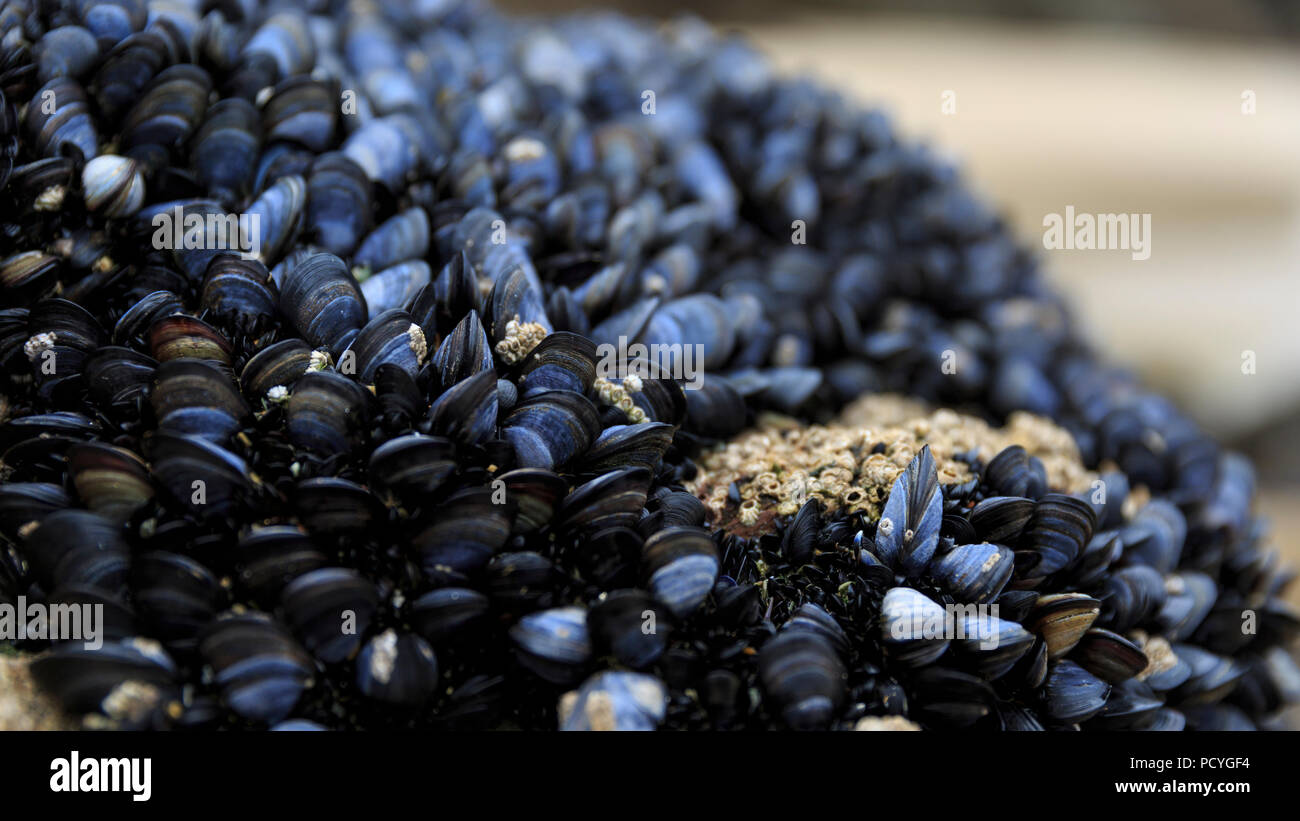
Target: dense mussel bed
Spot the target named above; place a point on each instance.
(374, 477)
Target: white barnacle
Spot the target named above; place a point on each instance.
(384, 657)
(416, 341)
(277, 394)
(632, 383)
(521, 338)
(886, 527)
(131, 700)
(39, 344)
(320, 360)
(523, 149)
(51, 199)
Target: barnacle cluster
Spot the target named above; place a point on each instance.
(306, 312)
(851, 463)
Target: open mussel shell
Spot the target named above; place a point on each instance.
(397, 669)
(553, 644)
(799, 541)
(908, 532)
(192, 397)
(912, 627)
(445, 614)
(77, 547)
(413, 466)
(631, 626)
(615, 701)
(259, 668)
(1062, 619)
(331, 610)
(333, 507)
(549, 429)
(1055, 535)
(804, 678)
(680, 565)
(389, 338)
(110, 481)
(82, 678)
(464, 352)
(1071, 694)
(279, 365)
(463, 533)
(323, 301)
(1109, 656)
(271, 557)
(975, 573)
(327, 413)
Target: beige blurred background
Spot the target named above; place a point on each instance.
(1112, 107)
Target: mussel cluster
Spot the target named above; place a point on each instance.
(371, 473)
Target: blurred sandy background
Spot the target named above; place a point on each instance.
(1112, 107)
